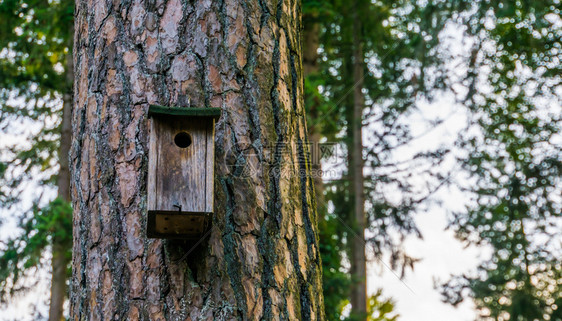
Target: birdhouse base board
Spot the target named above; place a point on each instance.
(176, 224)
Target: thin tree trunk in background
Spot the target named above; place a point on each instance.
(358, 259)
(60, 248)
(310, 67)
(261, 259)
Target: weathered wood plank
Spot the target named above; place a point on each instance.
(210, 166)
(152, 165)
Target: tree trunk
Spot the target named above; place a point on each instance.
(310, 67)
(61, 247)
(261, 259)
(59, 265)
(358, 260)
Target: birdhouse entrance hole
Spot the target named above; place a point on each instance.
(182, 140)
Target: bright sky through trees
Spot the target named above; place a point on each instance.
(502, 62)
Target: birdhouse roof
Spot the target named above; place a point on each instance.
(184, 111)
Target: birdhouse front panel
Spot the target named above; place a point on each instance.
(181, 158)
(180, 173)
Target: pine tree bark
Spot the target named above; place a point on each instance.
(60, 248)
(261, 259)
(358, 259)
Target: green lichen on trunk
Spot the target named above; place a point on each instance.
(261, 259)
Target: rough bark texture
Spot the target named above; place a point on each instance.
(60, 259)
(358, 259)
(261, 259)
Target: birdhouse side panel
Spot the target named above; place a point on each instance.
(210, 167)
(152, 165)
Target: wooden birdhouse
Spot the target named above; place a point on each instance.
(180, 171)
